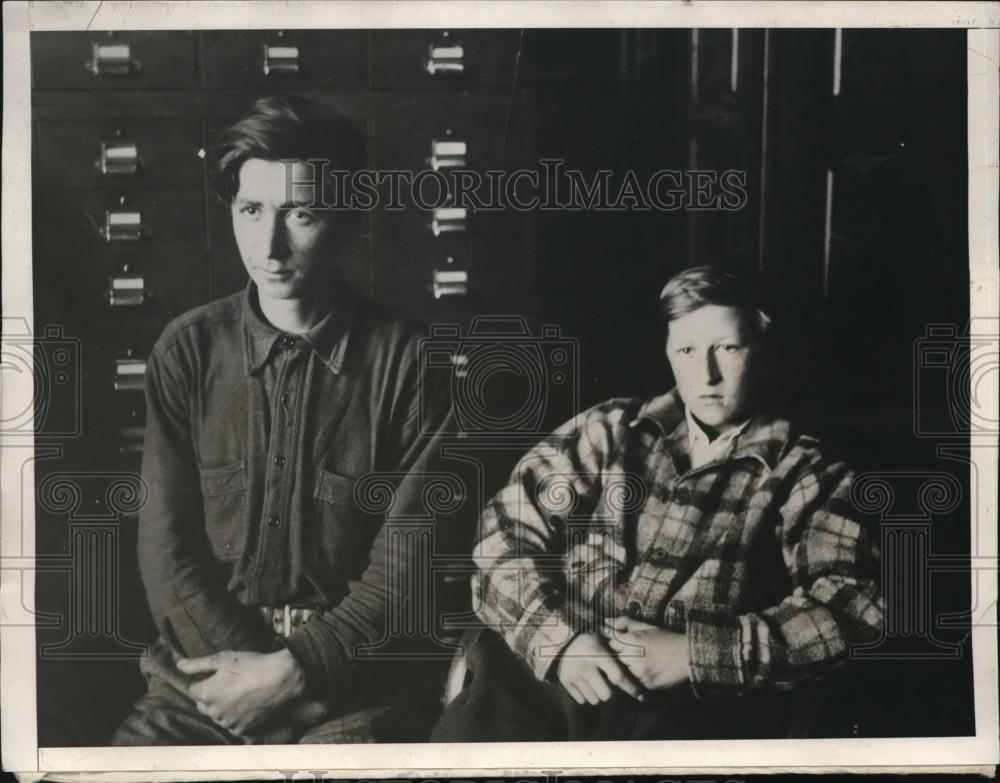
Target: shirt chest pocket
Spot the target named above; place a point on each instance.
(224, 496)
(339, 530)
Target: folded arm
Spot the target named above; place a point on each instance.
(832, 560)
(521, 588)
(185, 584)
(328, 646)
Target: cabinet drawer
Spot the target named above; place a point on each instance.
(492, 139)
(157, 285)
(483, 270)
(110, 61)
(153, 285)
(115, 153)
(137, 221)
(280, 58)
(444, 58)
(106, 345)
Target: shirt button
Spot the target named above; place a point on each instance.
(634, 609)
(279, 461)
(273, 520)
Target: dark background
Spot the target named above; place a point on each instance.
(856, 225)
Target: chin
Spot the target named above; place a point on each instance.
(712, 415)
(711, 418)
(277, 290)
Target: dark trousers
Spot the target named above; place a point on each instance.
(167, 716)
(505, 702)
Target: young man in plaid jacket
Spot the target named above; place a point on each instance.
(672, 568)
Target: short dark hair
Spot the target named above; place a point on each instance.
(285, 127)
(710, 285)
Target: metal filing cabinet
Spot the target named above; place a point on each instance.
(122, 121)
(443, 256)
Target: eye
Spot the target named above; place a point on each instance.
(249, 210)
(685, 350)
(301, 216)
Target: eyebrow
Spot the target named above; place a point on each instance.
(298, 204)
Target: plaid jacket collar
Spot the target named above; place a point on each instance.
(328, 339)
(764, 438)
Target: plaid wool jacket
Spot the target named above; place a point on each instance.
(758, 557)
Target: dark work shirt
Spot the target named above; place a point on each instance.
(260, 448)
(285, 359)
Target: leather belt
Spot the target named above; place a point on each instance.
(285, 619)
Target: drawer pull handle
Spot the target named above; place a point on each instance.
(130, 374)
(130, 441)
(127, 292)
(281, 60)
(450, 282)
(123, 227)
(112, 60)
(448, 219)
(119, 159)
(445, 58)
(447, 154)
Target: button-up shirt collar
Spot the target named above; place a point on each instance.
(328, 338)
(762, 437)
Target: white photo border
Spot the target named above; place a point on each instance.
(17, 642)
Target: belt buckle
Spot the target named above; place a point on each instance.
(283, 619)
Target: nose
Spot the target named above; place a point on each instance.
(274, 239)
(710, 373)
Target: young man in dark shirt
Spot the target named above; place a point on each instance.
(267, 413)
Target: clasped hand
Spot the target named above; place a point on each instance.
(630, 655)
(242, 690)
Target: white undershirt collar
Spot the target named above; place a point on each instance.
(704, 450)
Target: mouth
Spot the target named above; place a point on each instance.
(710, 398)
(278, 274)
